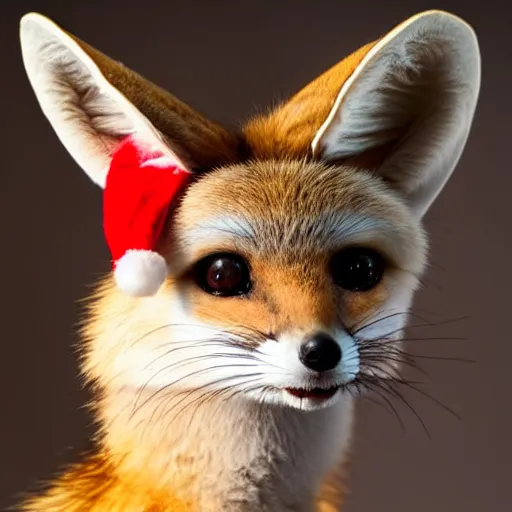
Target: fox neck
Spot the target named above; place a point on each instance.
(225, 453)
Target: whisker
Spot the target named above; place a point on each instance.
(358, 328)
(399, 352)
(354, 332)
(380, 404)
(381, 392)
(443, 358)
(437, 338)
(206, 386)
(430, 397)
(177, 349)
(190, 392)
(245, 332)
(168, 352)
(396, 393)
(404, 362)
(177, 381)
(231, 392)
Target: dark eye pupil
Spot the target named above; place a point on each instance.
(357, 269)
(223, 275)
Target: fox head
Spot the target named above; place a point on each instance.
(294, 255)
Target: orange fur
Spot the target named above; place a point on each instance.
(284, 299)
(109, 480)
(197, 140)
(291, 211)
(288, 296)
(289, 130)
(94, 485)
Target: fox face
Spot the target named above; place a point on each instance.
(294, 254)
(278, 273)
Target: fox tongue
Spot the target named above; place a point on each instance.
(317, 393)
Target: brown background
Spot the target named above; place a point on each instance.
(226, 58)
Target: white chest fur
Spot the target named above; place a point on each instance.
(243, 456)
(276, 459)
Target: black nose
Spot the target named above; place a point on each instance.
(320, 353)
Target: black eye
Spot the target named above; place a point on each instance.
(357, 269)
(224, 275)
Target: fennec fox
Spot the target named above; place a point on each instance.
(291, 259)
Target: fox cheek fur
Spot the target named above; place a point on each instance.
(292, 261)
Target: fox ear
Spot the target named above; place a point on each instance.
(401, 106)
(407, 109)
(92, 102)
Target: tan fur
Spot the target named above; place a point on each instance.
(289, 130)
(264, 193)
(289, 296)
(291, 278)
(162, 448)
(332, 493)
(197, 140)
(94, 486)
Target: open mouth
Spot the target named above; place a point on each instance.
(315, 393)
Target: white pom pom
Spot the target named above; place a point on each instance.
(140, 273)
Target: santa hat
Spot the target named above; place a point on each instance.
(140, 187)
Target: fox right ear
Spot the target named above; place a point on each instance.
(92, 102)
(407, 109)
(401, 107)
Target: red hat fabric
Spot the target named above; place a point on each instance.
(140, 186)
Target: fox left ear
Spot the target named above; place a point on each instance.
(408, 106)
(401, 106)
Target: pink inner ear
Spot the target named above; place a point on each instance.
(142, 153)
(147, 153)
(160, 161)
